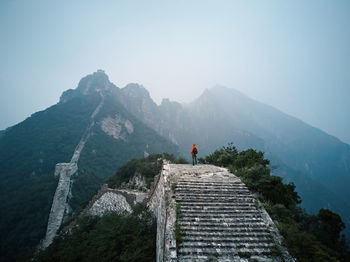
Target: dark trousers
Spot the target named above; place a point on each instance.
(194, 159)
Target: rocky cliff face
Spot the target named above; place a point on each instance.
(115, 200)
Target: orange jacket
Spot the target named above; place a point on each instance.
(194, 146)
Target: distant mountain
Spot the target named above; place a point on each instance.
(90, 127)
(290, 143)
(319, 164)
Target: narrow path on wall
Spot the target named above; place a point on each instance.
(205, 213)
(65, 171)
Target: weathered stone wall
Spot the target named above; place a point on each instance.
(114, 200)
(58, 208)
(163, 206)
(220, 220)
(65, 171)
(110, 202)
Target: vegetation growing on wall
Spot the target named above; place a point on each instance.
(179, 234)
(307, 237)
(148, 167)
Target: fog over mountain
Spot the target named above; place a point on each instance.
(292, 55)
(315, 161)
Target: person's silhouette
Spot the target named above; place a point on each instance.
(194, 152)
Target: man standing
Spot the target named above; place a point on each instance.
(194, 152)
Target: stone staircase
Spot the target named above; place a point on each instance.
(220, 221)
(205, 213)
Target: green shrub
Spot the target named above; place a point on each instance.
(148, 167)
(308, 238)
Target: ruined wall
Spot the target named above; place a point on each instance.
(58, 208)
(163, 206)
(114, 200)
(65, 171)
(219, 218)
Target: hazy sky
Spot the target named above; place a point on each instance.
(294, 55)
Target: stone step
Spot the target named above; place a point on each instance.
(202, 188)
(220, 228)
(227, 195)
(235, 234)
(212, 194)
(218, 204)
(220, 215)
(240, 198)
(222, 219)
(225, 239)
(219, 252)
(205, 186)
(223, 258)
(223, 244)
(208, 183)
(210, 187)
(211, 200)
(225, 230)
(185, 212)
(247, 224)
(219, 208)
(227, 225)
(244, 199)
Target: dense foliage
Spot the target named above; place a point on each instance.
(128, 237)
(307, 237)
(148, 167)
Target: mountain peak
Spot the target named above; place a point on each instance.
(135, 90)
(95, 82)
(220, 89)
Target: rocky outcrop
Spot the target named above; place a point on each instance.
(214, 215)
(117, 127)
(114, 200)
(110, 202)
